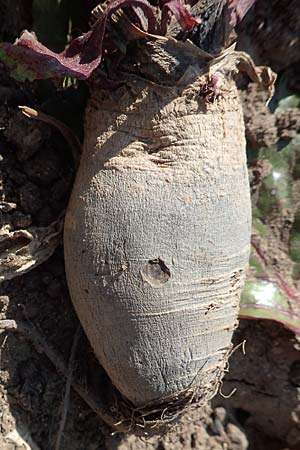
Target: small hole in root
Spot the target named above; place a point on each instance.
(155, 272)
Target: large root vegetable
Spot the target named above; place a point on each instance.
(157, 230)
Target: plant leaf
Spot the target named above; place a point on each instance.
(262, 299)
(182, 15)
(29, 59)
(238, 9)
(272, 290)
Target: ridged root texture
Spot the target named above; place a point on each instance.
(157, 236)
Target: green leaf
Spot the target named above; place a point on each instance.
(263, 300)
(292, 101)
(272, 290)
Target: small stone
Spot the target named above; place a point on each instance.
(6, 207)
(220, 413)
(4, 303)
(237, 437)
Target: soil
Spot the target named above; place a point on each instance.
(261, 130)
(270, 34)
(36, 179)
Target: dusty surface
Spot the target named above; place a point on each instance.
(267, 382)
(36, 176)
(260, 125)
(110, 230)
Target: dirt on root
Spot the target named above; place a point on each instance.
(36, 179)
